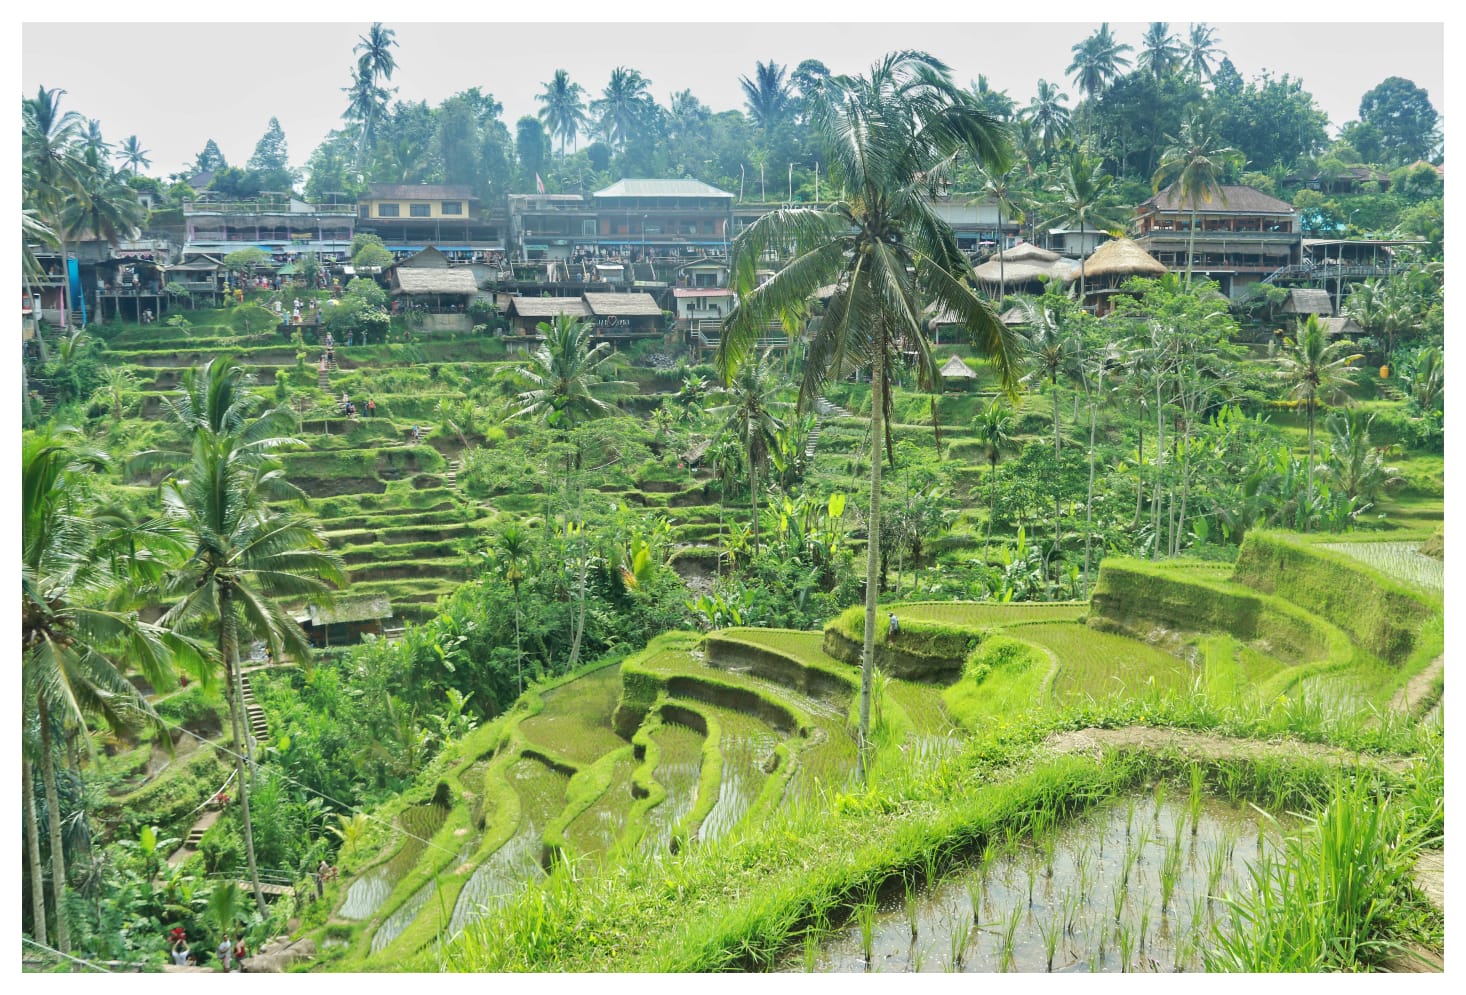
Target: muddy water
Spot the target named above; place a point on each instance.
(394, 924)
(1066, 890)
(747, 746)
(502, 875)
(680, 753)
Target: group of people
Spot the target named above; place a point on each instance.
(348, 406)
(231, 951)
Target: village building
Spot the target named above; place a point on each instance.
(345, 621)
(285, 228)
(645, 219)
(409, 217)
(1242, 236)
(440, 292)
(1111, 265)
(1024, 268)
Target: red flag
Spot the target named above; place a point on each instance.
(539, 184)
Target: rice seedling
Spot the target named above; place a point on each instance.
(957, 937)
(1143, 928)
(1117, 898)
(1031, 870)
(1124, 945)
(911, 908)
(1160, 799)
(1193, 801)
(974, 895)
(1009, 932)
(865, 919)
(1170, 872)
(1050, 929)
(1129, 815)
(811, 951)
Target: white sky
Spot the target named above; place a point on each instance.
(175, 84)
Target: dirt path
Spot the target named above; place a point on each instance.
(1202, 746)
(1409, 697)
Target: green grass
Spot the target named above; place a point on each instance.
(1094, 664)
(978, 614)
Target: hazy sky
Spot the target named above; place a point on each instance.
(175, 84)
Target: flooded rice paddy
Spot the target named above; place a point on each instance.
(1136, 885)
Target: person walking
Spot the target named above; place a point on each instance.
(371, 407)
(225, 952)
(893, 628)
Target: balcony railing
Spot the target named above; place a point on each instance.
(254, 209)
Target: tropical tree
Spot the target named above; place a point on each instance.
(767, 96)
(72, 642)
(1425, 377)
(1202, 51)
(563, 113)
(512, 553)
(133, 154)
(623, 106)
(1197, 161)
(994, 103)
(1356, 469)
(994, 429)
(1315, 369)
(569, 385)
(1161, 52)
(376, 51)
(1000, 188)
(52, 167)
(1083, 189)
(1047, 112)
(367, 105)
(882, 247)
(247, 552)
(1097, 60)
(103, 206)
(751, 398)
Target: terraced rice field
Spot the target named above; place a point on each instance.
(596, 830)
(1095, 664)
(368, 892)
(746, 745)
(502, 875)
(986, 613)
(399, 920)
(576, 720)
(680, 759)
(1400, 560)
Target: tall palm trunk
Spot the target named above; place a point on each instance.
(1308, 517)
(584, 566)
(1089, 502)
(33, 853)
(753, 498)
(872, 549)
(1139, 473)
(65, 280)
(53, 823)
(234, 692)
(1083, 258)
(1190, 246)
(1160, 460)
(992, 505)
(1002, 274)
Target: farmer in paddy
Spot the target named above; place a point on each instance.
(893, 628)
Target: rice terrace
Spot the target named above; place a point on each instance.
(886, 527)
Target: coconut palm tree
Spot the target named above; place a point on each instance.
(71, 640)
(133, 154)
(994, 103)
(1315, 369)
(1161, 52)
(767, 96)
(1098, 59)
(512, 552)
(882, 247)
(104, 207)
(1198, 161)
(622, 106)
(366, 104)
(1047, 112)
(376, 51)
(569, 385)
(994, 428)
(247, 552)
(1083, 189)
(52, 167)
(1202, 51)
(751, 399)
(563, 113)
(1001, 189)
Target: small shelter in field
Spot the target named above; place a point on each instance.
(957, 375)
(1343, 325)
(1111, 265)
(345, 621)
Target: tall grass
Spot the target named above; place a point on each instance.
(1324, 901)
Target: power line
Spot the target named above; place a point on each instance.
(58, 953)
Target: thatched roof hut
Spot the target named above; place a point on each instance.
(955, 369)
(1022, 265)
(1343, 325)
(1302, 300)
(434, 282)
(1115, 262)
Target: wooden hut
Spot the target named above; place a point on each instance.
(527, 312)
(957, 375)
(1024, 268)
(1303, 300)
(426, 280)
(1111, 265)
(346, 620)
(624, 316)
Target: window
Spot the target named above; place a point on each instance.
(452, 207)
(387, 210)
(366, 210)
(420, 210)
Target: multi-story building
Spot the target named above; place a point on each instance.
(662, 218)
(284, 228)
(410, 217)
(1242, 236)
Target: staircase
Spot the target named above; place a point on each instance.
(451, 477)
(1298, 269)
(254, 715)
(823, 409)
(325, 378)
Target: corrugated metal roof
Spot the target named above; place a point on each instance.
(661, 188)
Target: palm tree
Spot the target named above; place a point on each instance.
(1426, 377)
(1198, 161)
(1317, 370)
(995, 435)
(366, 103)
(512, 550)
(994, 103)
(752, 397)
(1082, 189)
(52, 163)
(563, 112)
(247, 552)
(999, 187)
(376, 51)
(1160, 51)
(1047, 112)
(103, 207)
(884, 250)
(767, 96)
(1201, 51)
(133, 154)
(569, 385)
(70, 639)
(1097, 60)
(622, 106)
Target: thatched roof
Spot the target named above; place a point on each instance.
(954, 369)
(548, 307)
(428, 258)
(1024, 271)
(1118, 259)
(1343, 325)
(1302, 300)
(1026, 252)
(1230, 200)
(435, 281)
(623, 304)
(1013, 316)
